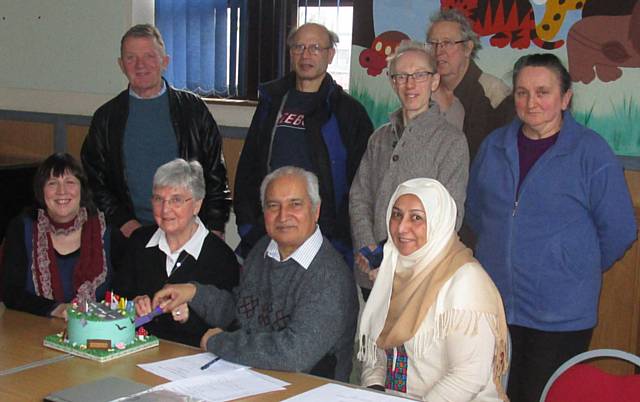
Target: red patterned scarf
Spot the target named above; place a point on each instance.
(90, 270)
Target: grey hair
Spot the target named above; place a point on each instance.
(313, 189)
(409, 46)
(453, 15)
(180, 173)
(332, 36)
(144, 31)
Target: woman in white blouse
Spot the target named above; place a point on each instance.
(177, 249)
(434, 326)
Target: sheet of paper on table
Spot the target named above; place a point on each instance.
(224, 387)
(342, 393)
(189, 366)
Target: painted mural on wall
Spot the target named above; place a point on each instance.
(598, 40)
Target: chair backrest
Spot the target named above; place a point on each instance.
(630, 382)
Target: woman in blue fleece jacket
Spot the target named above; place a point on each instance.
(551, 210)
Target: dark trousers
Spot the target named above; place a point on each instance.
(535, 357)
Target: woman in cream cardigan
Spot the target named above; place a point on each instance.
(434, 326)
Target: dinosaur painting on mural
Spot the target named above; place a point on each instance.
(604, 40)
(508, 22)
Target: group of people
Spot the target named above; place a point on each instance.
(323, 201)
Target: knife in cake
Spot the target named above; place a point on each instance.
(147, 318)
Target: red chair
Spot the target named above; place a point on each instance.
(573, 382)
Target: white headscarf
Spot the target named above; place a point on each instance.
(441, 221)
(440, 211)
(416, 279)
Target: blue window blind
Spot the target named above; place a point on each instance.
(225, 48)
(201, 39)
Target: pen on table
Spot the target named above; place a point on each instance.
(206, 366)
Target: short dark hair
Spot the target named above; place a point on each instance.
(57, 165)
(143, 31)
(547, 60)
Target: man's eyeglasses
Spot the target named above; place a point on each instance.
(174, 202)
(313, 49)
(418, 76)
(444, 45)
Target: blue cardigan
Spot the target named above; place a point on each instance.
(546, 247)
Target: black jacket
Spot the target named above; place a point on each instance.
(197, 136)
(145, 273)
(355, 128)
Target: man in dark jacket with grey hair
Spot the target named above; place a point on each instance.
(142, 128)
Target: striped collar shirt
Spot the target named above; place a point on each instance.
(304, 254)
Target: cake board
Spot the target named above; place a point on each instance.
(55, 342)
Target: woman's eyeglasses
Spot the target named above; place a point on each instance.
(418, 76)
(174, 202)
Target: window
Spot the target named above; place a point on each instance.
(339, 19)
(225, 48)
(201, 37)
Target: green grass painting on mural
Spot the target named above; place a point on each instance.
(621, 128)
(378, 110)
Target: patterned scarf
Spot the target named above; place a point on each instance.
(90, 270)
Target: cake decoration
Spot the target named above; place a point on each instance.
(101, 330)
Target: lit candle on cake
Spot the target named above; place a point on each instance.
(114, 301)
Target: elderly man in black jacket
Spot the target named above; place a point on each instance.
(144, 127)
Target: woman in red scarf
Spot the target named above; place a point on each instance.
(59, 251)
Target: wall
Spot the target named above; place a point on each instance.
(60, 56)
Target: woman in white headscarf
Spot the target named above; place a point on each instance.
(434, 325)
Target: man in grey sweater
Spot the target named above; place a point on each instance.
(296, 305)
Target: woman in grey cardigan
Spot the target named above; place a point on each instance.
(418, 141)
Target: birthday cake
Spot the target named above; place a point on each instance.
(101, 331)
(100, 327)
